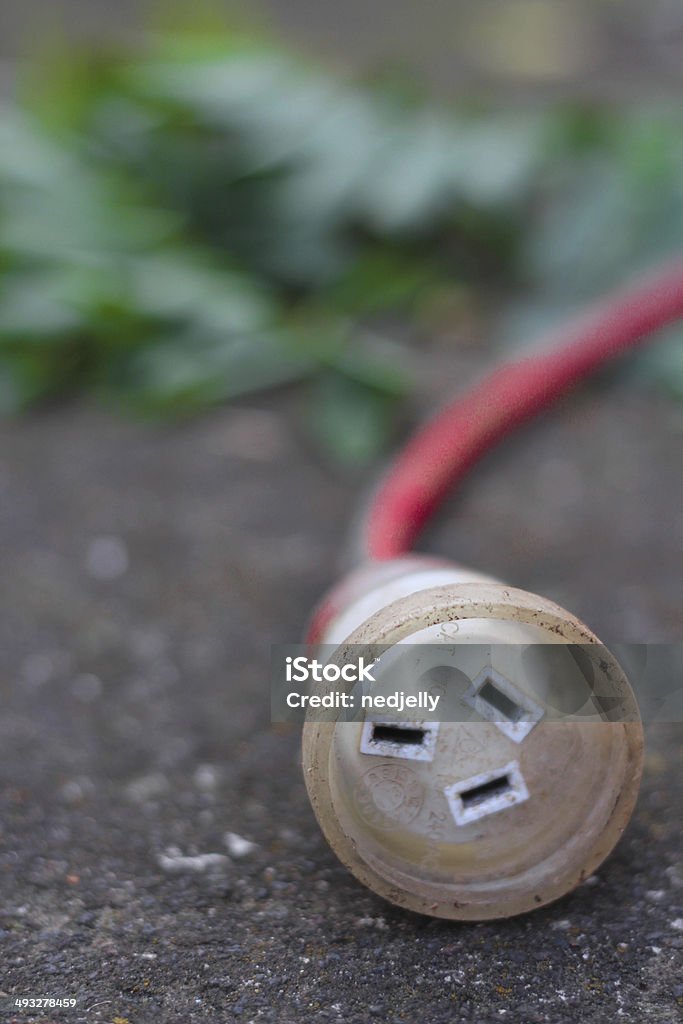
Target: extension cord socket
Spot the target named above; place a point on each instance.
(491, 816)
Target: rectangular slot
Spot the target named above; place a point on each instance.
(397, 734)
(488, 793)
(412, 741)
(494, 787)
(500, 702)
(505, 705)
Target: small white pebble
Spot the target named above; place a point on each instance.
(677, 924)
(238, 846)
(562, 925)
(174, 861)
(86, 688)
(372, 922)
(75, 790)
(206, 777)
(656, 895)
(72, 792)
(37, 669)
(149, 642)
(107, 558)
(675, 874)
(146, 787)
(656, 949)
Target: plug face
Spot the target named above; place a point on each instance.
(503, 810)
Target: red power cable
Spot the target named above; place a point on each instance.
(440, 454)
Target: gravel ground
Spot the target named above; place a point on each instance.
(146, 572)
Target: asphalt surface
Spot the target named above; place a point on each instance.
(145, 574)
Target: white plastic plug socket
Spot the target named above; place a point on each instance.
(490, 816)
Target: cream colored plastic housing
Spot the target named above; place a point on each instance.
(496, 815)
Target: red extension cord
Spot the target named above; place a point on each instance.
(440, 454)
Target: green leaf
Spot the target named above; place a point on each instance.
(35, 306)
(350, 421)
(496, 159)
(183, 285)
(410, 181)
(29, 374)
(190, 371)
(27, 156)
(383, 278)
(373, 361)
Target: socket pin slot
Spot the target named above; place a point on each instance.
(395, 734)
(487, 793)
(499, 701)
(412, 741)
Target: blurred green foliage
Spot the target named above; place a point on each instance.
(212, 216)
